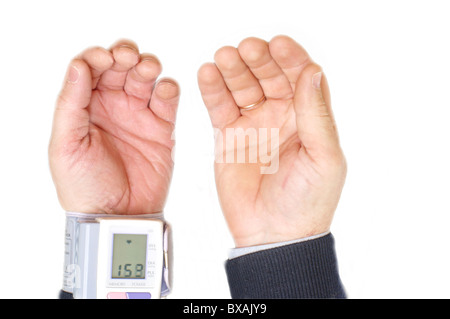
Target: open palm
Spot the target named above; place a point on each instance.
(293, 195)
(111, 143)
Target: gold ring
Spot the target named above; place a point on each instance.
(254, 105)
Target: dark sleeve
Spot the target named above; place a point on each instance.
(302, 270)
(65, 295)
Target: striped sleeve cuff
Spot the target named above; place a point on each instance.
(306, 269)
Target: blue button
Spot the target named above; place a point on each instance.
(138, 295)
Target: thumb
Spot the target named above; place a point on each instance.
(71, 118)
(315, 122)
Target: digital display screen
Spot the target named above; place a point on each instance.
(129, 256)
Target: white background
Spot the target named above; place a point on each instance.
(388, 66)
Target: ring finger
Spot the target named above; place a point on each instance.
(241, 82)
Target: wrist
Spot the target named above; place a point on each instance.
(241, 251)
(278, 235)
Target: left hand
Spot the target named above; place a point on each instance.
(110, 149)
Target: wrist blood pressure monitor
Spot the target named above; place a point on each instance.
(116, 256)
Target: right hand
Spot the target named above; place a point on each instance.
(299, 198)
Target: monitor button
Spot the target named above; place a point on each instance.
(138, 295)
(117, 295)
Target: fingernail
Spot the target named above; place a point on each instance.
(166, 90)
(126, 46)
(73, 75)
(148, 58)
(316, 78)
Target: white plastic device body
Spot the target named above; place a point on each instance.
(116, 256)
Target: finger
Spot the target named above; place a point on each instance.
(218, 100)
(239, 79)
(126, 56)
(255, 53)
(290, 56)
(99, 60)
(315, 122)
(71, 118)
(165, 98)
(141, 79)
